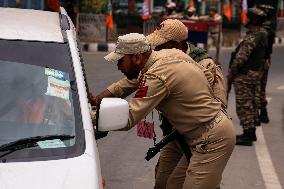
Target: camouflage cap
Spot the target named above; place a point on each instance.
(168, 30)
(256, 12)
(268, 9)
(131, 43)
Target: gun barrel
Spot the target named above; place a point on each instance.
(156, 149)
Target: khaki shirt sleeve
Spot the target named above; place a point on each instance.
(210, 70)
(148, 96)
(123, 88)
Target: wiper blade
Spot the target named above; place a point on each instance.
(29, 142)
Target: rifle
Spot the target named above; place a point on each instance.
(174, 135)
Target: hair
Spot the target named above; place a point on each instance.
(147, 53)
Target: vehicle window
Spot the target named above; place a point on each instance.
(39, 98)
(37, 102)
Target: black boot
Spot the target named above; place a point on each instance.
(257, 122)
(264, 116)
(245, 139)
(252, 134)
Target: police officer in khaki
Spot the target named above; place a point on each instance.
(173, 33)
(171, 82)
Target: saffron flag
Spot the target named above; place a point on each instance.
(109, 20)
(227, 9)
(244, 12)
(146, 10)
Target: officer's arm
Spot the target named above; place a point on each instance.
(123, 88)
(147, 97)
(242, 55)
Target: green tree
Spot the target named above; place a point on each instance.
(93, 6)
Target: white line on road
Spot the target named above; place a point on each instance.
(281, 87)
(266, 166)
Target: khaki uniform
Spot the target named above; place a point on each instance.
(171, 154)
(173, 83)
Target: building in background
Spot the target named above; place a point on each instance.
(26, 4)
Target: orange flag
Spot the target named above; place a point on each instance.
(146, 10)
(244, 12)
(227, 10)
(109, 20)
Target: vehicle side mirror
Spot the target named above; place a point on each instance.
(113, 114)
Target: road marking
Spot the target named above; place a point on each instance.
(280, 87)
(267, 169)
(268, 99)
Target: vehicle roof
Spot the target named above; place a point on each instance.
(31, 25)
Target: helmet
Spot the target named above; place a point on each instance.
(256, 16)
(268, 9)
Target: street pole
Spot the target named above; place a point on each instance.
(18, 2)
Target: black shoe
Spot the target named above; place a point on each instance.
(247, 138)
(264, 116)
(252, 134)
(243, 141)
(257, 123)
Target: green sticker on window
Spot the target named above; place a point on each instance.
(55, 143)
(54, 73)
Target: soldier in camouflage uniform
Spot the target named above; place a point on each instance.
(268, 27)
(245, 71)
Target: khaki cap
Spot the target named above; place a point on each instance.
(169, 30)
(131, 43)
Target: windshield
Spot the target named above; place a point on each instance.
(38, 100)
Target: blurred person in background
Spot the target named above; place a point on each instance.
(268, 27)
(71, 8)
(245, 71)
(215, 29)
(190, 14)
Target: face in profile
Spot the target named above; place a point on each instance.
(129, 66)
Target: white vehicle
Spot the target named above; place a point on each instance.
(46, 133)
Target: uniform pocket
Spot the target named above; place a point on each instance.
(210, 145)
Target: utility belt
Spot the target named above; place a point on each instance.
(205, 127)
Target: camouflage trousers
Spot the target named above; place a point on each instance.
(247, 89)
(263, 83)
